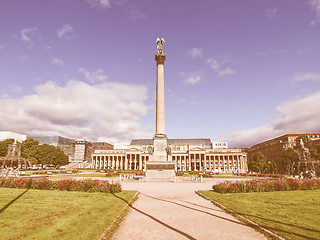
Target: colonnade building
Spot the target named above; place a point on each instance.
(187, 154)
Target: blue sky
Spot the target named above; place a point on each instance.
(239, 71)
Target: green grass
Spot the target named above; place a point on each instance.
(291, 215)
(40, 214)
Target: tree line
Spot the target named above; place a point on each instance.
(260, 163)
(44, 154)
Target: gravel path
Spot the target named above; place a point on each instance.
(173, 211)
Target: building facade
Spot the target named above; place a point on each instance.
(82, 151)
(12, 135)
(188, 155)
(77, 150)
(274, 148)
(101, 146)
(67, 145)
(219, 145)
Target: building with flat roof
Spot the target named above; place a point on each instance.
(274, 148)
(187, 154)
(101, 146)
(12, 135)
(82, 151)
(220, 145)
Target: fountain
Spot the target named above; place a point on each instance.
(11, 165)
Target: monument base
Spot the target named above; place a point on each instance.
(160, 171)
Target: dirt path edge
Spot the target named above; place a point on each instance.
(107, 234)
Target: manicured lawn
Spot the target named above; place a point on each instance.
(41, 214)
(291, 215)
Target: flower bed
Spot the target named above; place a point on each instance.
(266, 185)
(87, 185)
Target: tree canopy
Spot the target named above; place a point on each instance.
(289, 156)
(258, 163)
(37, 154)
(4, 146)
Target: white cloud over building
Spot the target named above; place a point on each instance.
(296, 116)
(109, 111)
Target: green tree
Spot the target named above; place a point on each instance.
(60, 158)
(29, 150)
(49, 154)
(4, 146)
(258, 162)
(272, 167)
(288, 158)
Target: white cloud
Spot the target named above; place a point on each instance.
(65, 32)
(297, 116)
(27, 34)
(194, 52)
(193, 80)
(315, 5)
(78, 110)
(57, 61)
(227, 71)
(136, 13)
(94, 77)
(315, 77)
(221, 66)
(190, 78)
(99, 3)
(272, 13)
(16, 88)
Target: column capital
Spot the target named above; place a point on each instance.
(160, 58)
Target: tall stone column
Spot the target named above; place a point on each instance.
(160, 114)
(160, 165)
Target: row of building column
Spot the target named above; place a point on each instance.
(120, 162)
(184, 162)
(201, 162)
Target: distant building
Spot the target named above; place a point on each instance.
(121, 146)
(12, 135)
(274, 148)
(188, 155)
(82, 151)
(67, 145)
(219, 145)
(101, 146)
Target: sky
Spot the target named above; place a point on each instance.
(236, 71)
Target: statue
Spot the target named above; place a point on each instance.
(150, 149)
(160, 42)
(168, 149)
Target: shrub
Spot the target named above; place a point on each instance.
(87, 185)
(266, 185)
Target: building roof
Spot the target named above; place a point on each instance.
(178, 141)
(311, 135)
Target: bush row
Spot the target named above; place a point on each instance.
(87, 185)
(261, 175)
(266, 185)
(110, 172)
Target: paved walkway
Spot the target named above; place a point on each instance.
(173, 211)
